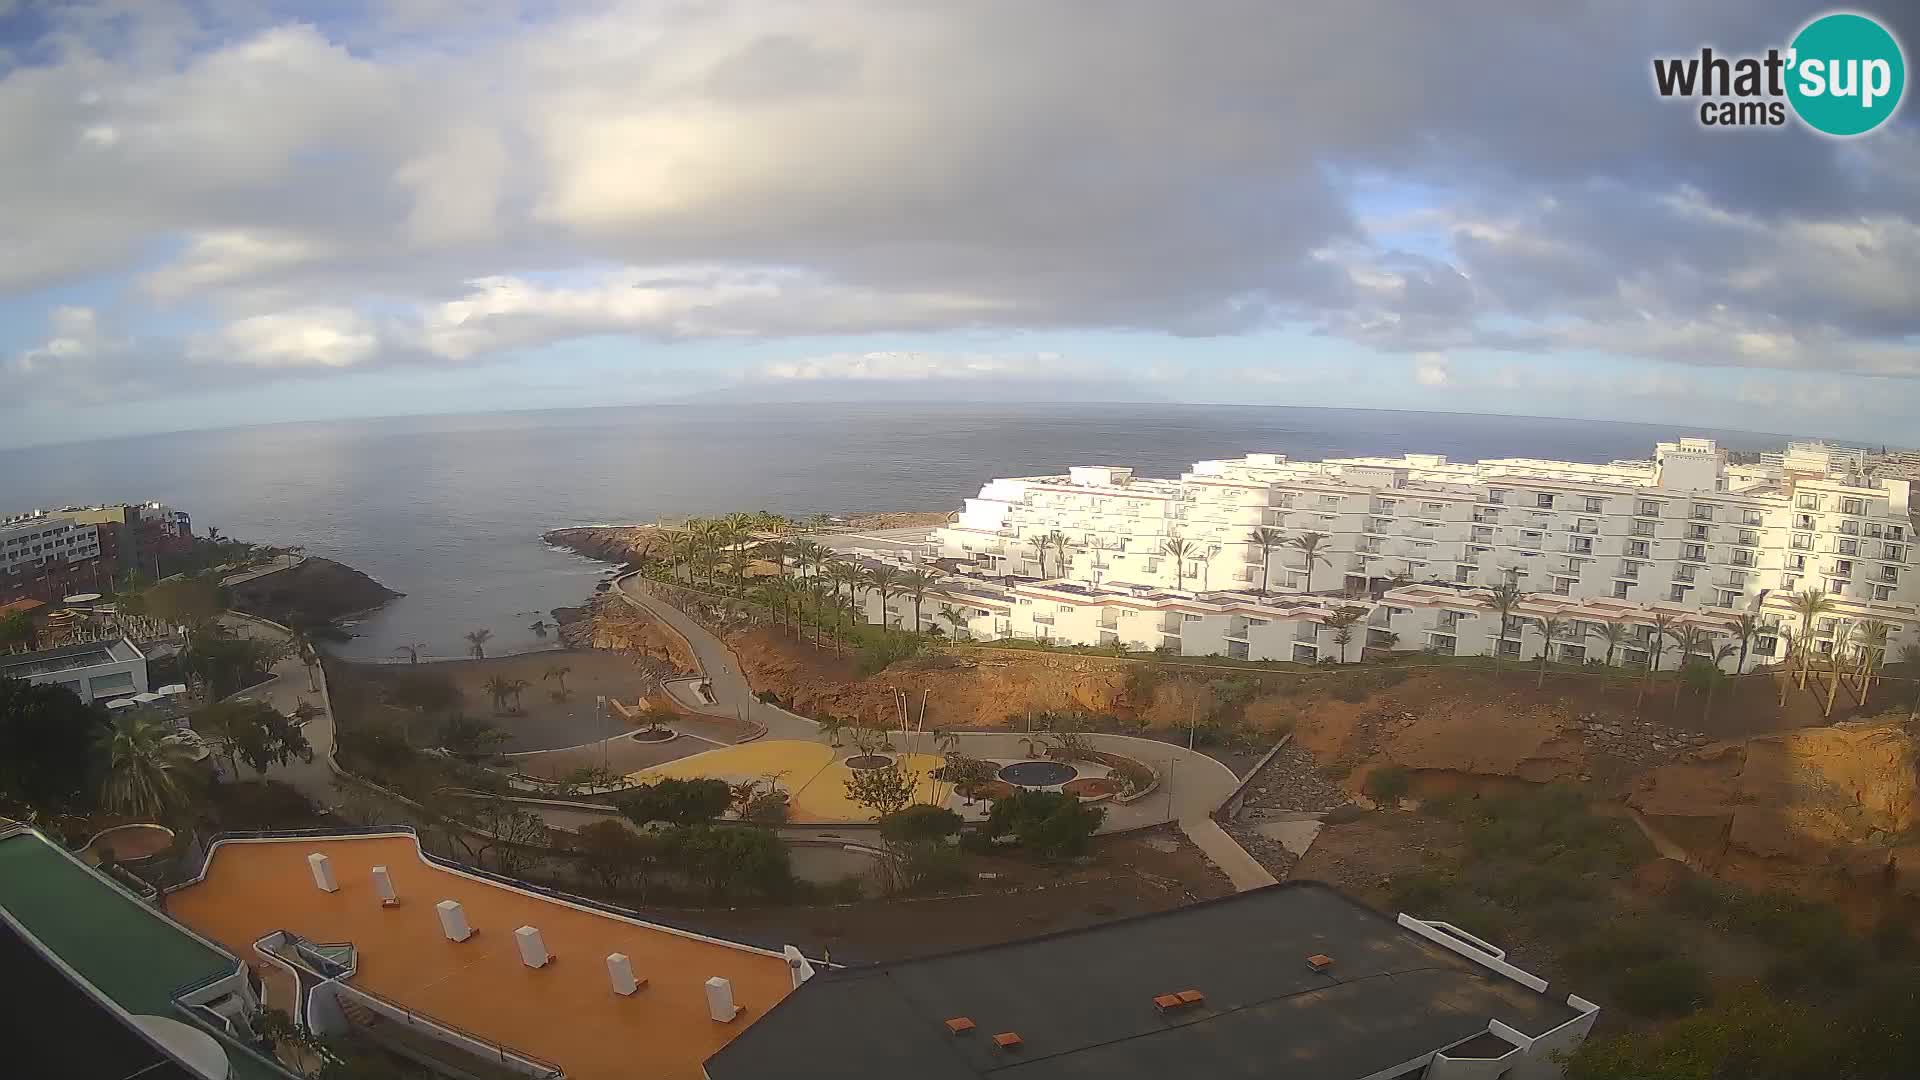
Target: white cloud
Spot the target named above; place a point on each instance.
(1430, 369)
(925, 366)
(320, 337)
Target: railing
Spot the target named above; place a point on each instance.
(537, 1067)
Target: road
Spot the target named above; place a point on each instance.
(902, 540)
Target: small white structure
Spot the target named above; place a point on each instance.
(453, 920)
(383, 885)
(799, 966)
(533, 948)
(322, 873)
(620, 974)
(720, 1004)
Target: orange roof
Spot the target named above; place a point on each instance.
(25, 604)
(564, 1012)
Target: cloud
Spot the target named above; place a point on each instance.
(924, 367)
(347, 195)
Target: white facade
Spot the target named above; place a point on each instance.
(96, 671)
(1684, 533)
(38, 539)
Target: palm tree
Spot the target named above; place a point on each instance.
(140, 781)
(1181, 551)
(1745, 629)
(1506, 596)
(1842, 640)
(1613, 632)
(498, 687)
(843, 573)
(1266, 540)
(682, 546)
(514, 687)
(1714, 675)
(884, 580)
(558, 673)
(915, 583)
(1059, 541)
(1691, 641)
(413, 651)
(1657, 646)
(1309, 544)
(824, 595)
(1809, 604)
(1040, 545)
(301, 646)
(956, 617)
(477, 643)
(1870, 644)
(1551, 626)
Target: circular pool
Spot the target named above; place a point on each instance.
(1038, 774)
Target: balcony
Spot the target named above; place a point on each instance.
(1109, 620)
(1043, 620)
(1307, 632)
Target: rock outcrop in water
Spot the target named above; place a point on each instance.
(614, 544)
(313, 593)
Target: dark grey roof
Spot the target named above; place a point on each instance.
(61, 1030)
(1082, 1001)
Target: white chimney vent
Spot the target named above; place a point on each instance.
(453, 920)
(533, 948)
(383, 886)
(322, 873)
(720, 1004)
(620, 974)
(798, 966)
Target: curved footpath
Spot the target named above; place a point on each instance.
(1193, 785)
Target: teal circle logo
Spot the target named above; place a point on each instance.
(1846, 74)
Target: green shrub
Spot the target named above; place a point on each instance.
(1048, 823)
(1422, 892)
(1352, 690)
(1671, 986)
(677, 802)
(882, 648)
(1615, 947)
(1539, 885)
(1387, 785)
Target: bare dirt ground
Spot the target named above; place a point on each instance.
(545, 723)
(1126, 875)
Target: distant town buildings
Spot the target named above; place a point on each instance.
(49, 554)
(1415, 544)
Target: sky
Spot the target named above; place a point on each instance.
(226, 211)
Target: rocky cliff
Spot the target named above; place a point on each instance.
(314, 592)
(615, 544)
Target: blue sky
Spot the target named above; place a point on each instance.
(237, 213)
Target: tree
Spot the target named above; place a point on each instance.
(1551, 626)
(839, 574)
(301, 646)
(253, 732)
(509, 831)
(957, 618)
(1309, 544)
(477, 642)
(1714, 676)
(1059, 541)
(16, 629)
(966, 775)
(1614, 632)
(226, 663)
(514, 688)
(914, 838)
(1809, 604)
(884, 580)
(615, 853)
(1266, 540)
(1657, 645)
(915, 583)
(1690, 640)
(470, 738)
(1342, 619)
(189, 601)
(558, 673)
(886, 790)
(412, 651)
(1180, 551)
(47, 740)
(731, 861)
(831, 726)
(142, 774)
(1870, 645)
(1050, 824)
(1506, 596)
(499, 688)
(1041, 545)
(1745, 629)
(676, 802)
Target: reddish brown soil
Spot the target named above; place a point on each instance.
(1087, 787)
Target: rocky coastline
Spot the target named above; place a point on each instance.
(315, 592)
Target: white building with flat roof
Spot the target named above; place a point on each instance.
(1684, 533)
(30, 542)
(96, 670)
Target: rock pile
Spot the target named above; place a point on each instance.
(1645, 743)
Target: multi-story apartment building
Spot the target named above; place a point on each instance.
(1685, 533)
(44, 555)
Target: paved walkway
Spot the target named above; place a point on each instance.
(731, 693)
(1221, 850)
(289, 688)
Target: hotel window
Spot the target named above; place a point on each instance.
(1883, 592)
(1694, 552)
(1647, 508)
(1678, 594)
(1853, 506)
(1543, 500)
(1801, 542)
(1736, 579)
(1796, 562)
(1896, 532)
(1702, 512)
(1637, 548)
(1789, 582)
(1803, 521)
(1620, 590)
(1728, 599)
(1497, 496)
(1696, 532)
(1849, 547)
(1683, 573)
(1893, 552)
(1752, 517)
(1563, 586)
(1825, 626)
(1329, 500)
(1586, 525)
(1433, 508)
(1889, 574)
(1843, 567)
(1851, 528)
(1837, 586)
(1462, 573)
(1808, 502)
(1594, 505)
(1641, 528)
(1747, 537)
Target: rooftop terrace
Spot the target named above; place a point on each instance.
(564, 1012)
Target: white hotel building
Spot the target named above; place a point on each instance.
(1416, 540)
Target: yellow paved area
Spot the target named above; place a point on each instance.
(811, 772)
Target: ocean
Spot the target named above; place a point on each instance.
(449, 509)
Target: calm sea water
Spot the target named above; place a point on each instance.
(449, 510)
